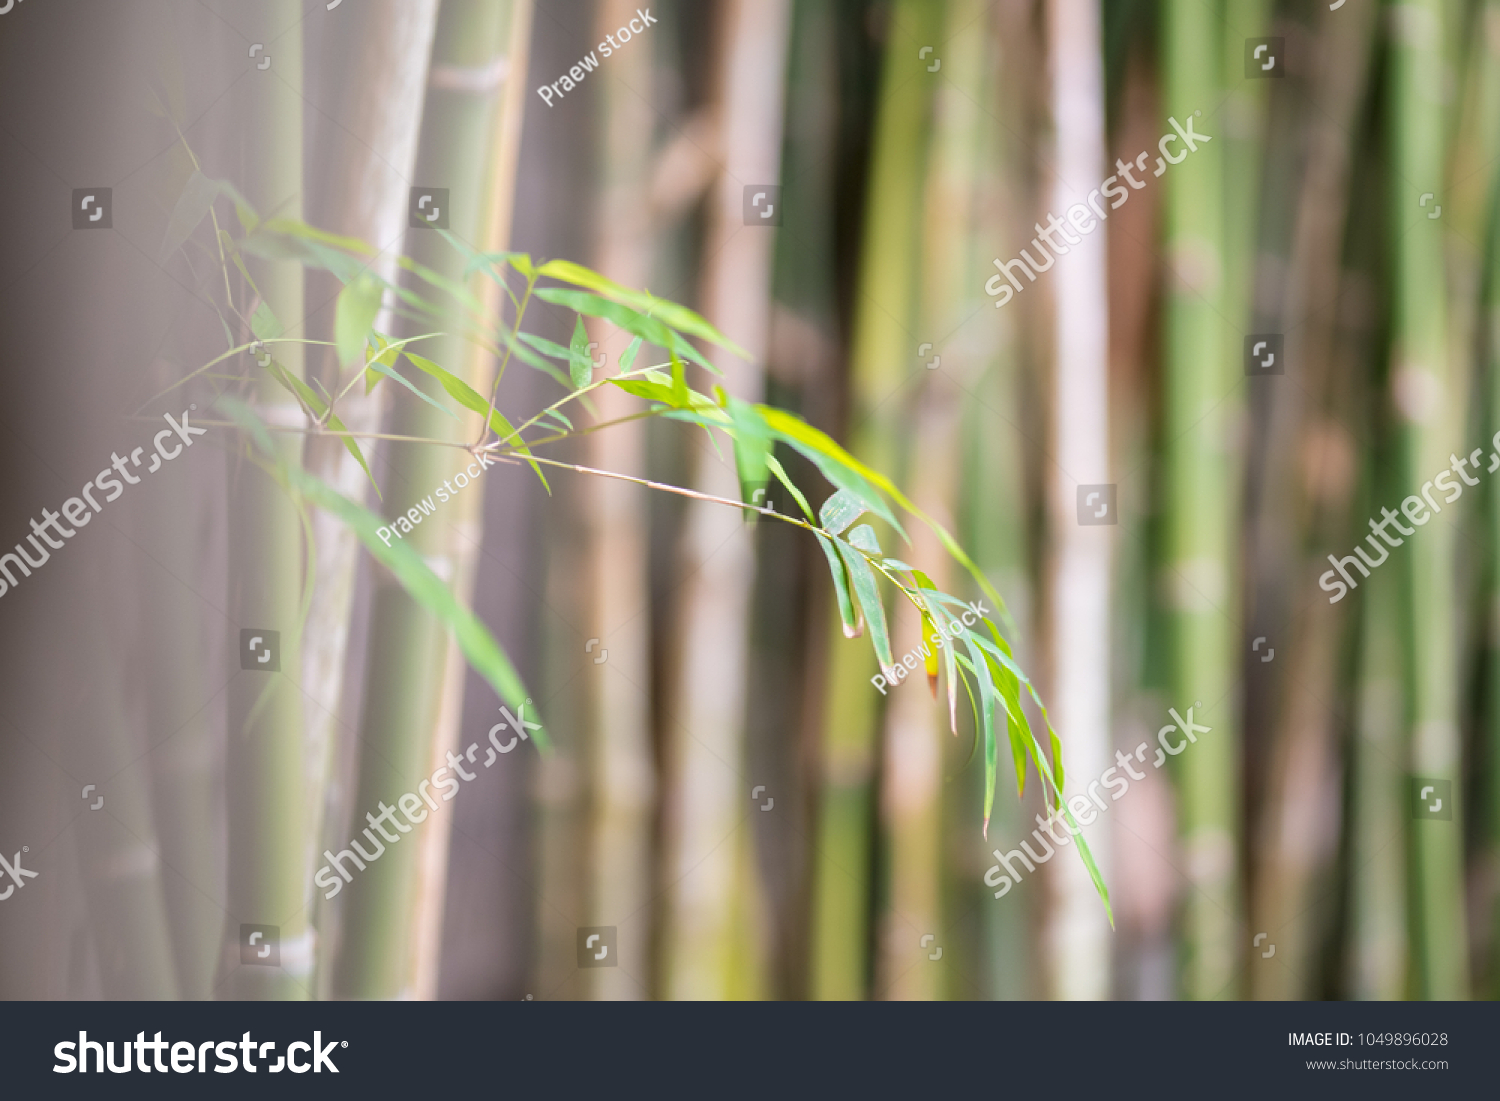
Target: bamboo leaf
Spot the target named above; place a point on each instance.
(466, 396)
(390, 372)
(358, 303)
(264, 322)
(648, 328)
(547, 347)
(407, 566)
(627, 360)
(848, 614)
(192, 207)
(837, 465)
(781, 476)
(678, 317)
(840, 510)
(580, 367)
(862, 578)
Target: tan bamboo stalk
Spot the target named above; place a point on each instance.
(710, 794)
(413, 682)
(620, 755)
(381, 110)
(1079, 587)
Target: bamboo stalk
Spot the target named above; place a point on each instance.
(620, 753)
(1429, 394)
(710, 794)
(1201, 407)
(412, 685)
(1079, 939)
(881, 357)
(264, 765)
(364, 195)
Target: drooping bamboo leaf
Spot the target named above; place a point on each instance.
(547, 347)
(466, 396)
(781, 476)
(862, 579)
(391, 373)
(627, 359)
(840, 510)
(191, 208)
(835, 463)
(580, 367)
(848, 613)
(358, 303)
(407, 566)
(319, 407)
(264, 323)
(752, 445)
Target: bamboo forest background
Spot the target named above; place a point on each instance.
(728, 790)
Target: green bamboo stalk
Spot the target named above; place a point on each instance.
(1428, 392)
(361, 192)
(949, 317)
(1202, 505)
(1378, 953)
(409, 661)
(881, 356)
(264, 760)
(1490, 319)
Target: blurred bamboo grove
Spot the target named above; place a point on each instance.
(1267, 342)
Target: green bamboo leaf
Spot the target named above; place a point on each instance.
(358, 303)
(320, 407)
(678, 317)
(580, 367)
(848, 614)
(648, 328)
(407, 566)
(627, 360)
(781, 476)
(456, 289)
(391, 373)
(466, 396)
(941, 619)
(752, 445)
(295, 227)
(812, 440)
(192, 207)
(987, 697)
(840, 510)
(862, 578)
(837, 465)
(547, 347)
(264, 322)
(863, 537)
(1088, 862)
